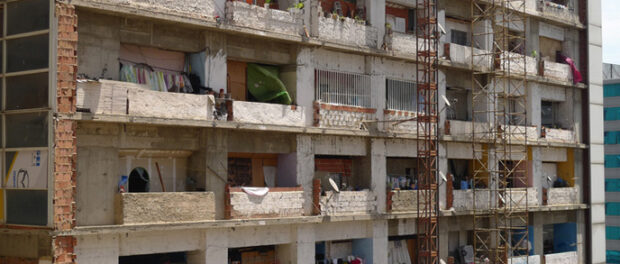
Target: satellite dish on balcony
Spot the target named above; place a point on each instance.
(334, 185)
(446, 100)
(443, 176)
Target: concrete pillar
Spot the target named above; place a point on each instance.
(441, 20)
(305, 169)
(538, 223)
(98, 249)
(581, 235)
(302, 251)
(537, 180)
(217, 167)
(216, 249)
(444, 233)
(532, 37)
(442, 158)
(379, 242)
(378, 172)
(375, 14)
(305, 83)
(215, 70)
(311, 17)
(533, 105)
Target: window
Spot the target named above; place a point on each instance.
(548, 114)
(342, 88)
(401, 95)
(612, 185)
(25, 111)
(459, 37)
(611, 113)
(611, 90)
(612, 137)
(612, 161)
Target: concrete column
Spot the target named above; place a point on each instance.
(538, 233)
(375, 14)
(300, 252)
(217, 167)
(441, 20)
(444, 232)
(581, 233)
(215, 64)
(100, 249)
(311, 17)
(305, 83)
(216, 247)
(379, 242)
(305, 169)
(378, 89)
(378, 172)
(442, 151)
(538, 181)
(532, 37)
(533, 105)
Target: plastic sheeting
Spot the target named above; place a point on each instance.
(265, 85)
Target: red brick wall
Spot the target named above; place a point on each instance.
(334, 165)
(348, 7)
(398, 12)
(64, 134)
(16, 260)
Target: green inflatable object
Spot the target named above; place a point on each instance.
(265, 85)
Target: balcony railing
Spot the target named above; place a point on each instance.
(278, 202)
(268, 114)
(570, 257)
(342, 88)
(403, 201)
(485, 200)
(130, 99)
(347, 31)
(348, 203)
(240, 13)
(401, 95)
(565, 12)
(170, 207)
(562, 196)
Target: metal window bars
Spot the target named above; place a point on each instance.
(342, 88)
(401, 95)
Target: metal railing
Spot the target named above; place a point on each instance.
(401, 95)
(342, 88)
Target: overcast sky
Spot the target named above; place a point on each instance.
(611, 31)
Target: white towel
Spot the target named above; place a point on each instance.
(256, 191)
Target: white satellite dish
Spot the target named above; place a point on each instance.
(443, 176)
(334, 185)
(446, 100)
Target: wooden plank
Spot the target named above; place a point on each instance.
(237, 79)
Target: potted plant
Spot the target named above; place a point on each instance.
(267, 2)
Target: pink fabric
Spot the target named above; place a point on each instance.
(576, 74)
(154, 57)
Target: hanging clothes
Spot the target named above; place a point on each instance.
(156, 80)
(576, 74)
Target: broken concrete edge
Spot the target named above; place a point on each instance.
(120, 229)
(152, 121)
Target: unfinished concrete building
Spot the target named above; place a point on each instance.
(382, 131)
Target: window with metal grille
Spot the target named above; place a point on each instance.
(459, 37)
(342, 88)
(401, 95)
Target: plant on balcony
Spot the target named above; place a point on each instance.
(267, 2)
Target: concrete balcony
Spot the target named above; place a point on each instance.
(278, 202)
(348, 203)
(562, 196)
(195, 9)
(462, 130)
(135, 100)
(519, 64)
(515, 198)
(171, 207)
(406, 201)
(405, 44)
(268, 114)
(557, 71)
(570, 257)
(535, 259)
(242, 14)
(557, 11)
(347, 31)
(462, 56)
(560, 135)
(341, 116)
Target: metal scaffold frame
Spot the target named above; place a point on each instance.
(499, 130)
(426, 71)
